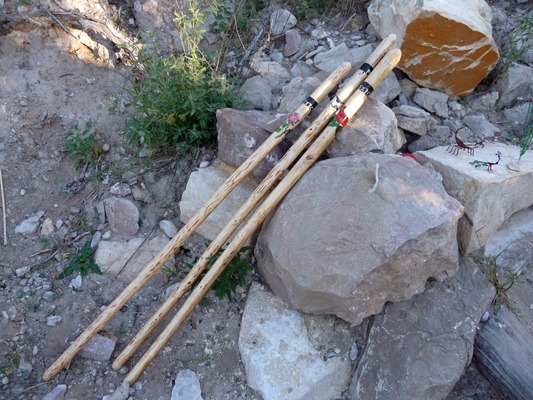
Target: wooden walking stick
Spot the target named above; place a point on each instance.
(301, 112)
(354, 103)
(278, 170)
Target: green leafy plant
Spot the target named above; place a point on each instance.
(82, 261)
(526, 141)
(121, 329)
(81, 145)
(518, 44)
(231, 277)
(11, 365)
(176, 99)
(502, 283)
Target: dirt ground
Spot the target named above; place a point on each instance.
(49, 82)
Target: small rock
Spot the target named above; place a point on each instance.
(47, 228)
(480, 125)
(22, 271)
(187, 386)
(53, 320)
(169, 228)
(99, 348)
(57, 394)
(354, 351)
(96, 239)
(5, 381)
(485, 317)
(138, 386)
(76, 283)
(432, 101)
(48, 296)
(30, 225)
(22, 192)
(106, 235)
(424, 143)
(120, 189)
(319, 33)
(205, 164)
(281, 21)
(293, 40)
(24, 367)
(121, 393)
(59, 223)
(123, 216)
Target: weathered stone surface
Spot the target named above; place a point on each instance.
(514, 240)
(414, 120)
(424, 143)
(418, 349)
(516, 116)
(99, 348)
(280, 361)
(57, 394)
(187, 386)
(481, 125)
(111, 257)
(240, 133)
(516, 82)
(488, 198)
(373, 128)
(296, 92)
(331, 59)
(485, 103)
(272, 72)
(47, 228)
(201, 186)
(123, 216)
(30, 225)
(301, 69)
(281, 21)
(432, 101)
(257, 92)
(446, 45)
(293, 41)
(387, 90)
(120, 189)
(334, 246)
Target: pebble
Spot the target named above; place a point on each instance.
(5, 381)
(531, 306)
(22, 192)
(100, 381)
(53, 320)
(76, 282)
(96, 239)
(35, 350)
(138, 386)
(59, 223)
(106, 235)
(22, 271)
(354, 351)
(485, 317)
(205, 164)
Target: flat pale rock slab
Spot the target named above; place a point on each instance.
(446, 45)
(99, 348)
(123, 216)
(111, 257)
(489, 198)
(202, 184)
(187, 386)
(279, 359)
(334, 246)
(418, 349)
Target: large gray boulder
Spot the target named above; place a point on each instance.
(373, 128)
(257, 93)
(334, 246)
(516, 82)
(296, 92)
(280, 360)
(418, 349)
(414, 119)
(489, 198)
(240, 133)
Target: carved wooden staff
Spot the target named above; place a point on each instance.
(278, 170)
(262, 151)
(354, 103)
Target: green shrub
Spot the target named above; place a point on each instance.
(81, 145)
(518, 44)
(176, 97)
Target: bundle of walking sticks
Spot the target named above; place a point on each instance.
(336, 115)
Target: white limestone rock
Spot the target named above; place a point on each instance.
(280, 361)
(257, 92)
(281, 21)
(489, 198)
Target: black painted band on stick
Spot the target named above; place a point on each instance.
(311, 103)
(367, 68)
(366, 88)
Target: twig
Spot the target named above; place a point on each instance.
(55, 19)
(250, 48)
(3, 207)
(41, 252)
(349, 19)
(377, 178)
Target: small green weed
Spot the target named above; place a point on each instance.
(45, 242)
(82, 262)
(518, 44)
(121, 329)
(501, 283)
(526, 141)
(65, 191)
(11, 365)
(81, 145)
(232, 276)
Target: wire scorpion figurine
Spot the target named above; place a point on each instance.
(454, 148)
(478, 164)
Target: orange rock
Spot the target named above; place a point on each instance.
(446, 46)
